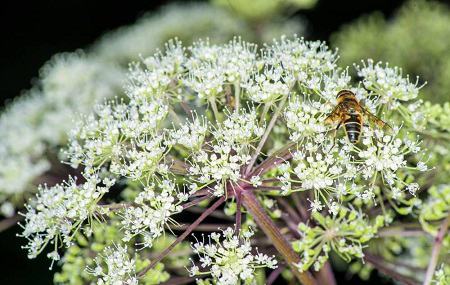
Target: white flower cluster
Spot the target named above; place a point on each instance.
(210, 67)
(228, 152)
(59, 211)
(311, 64)
(268, 86)
(316, 171)
(115, 267)
(122, 135)
(228, 258)
(303, 59)
(333, 168)
(190, 135)
(305, 118)
(153, 209)
(159, 79)
(387, 83)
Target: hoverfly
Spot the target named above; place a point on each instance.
(350, 113)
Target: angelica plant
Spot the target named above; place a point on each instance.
(237, 132)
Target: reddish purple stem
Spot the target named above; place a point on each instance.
(182, 236)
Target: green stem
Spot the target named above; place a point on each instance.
(282, 245)
(214, 108)
(237, 95)
(266, 134)
(264, 112)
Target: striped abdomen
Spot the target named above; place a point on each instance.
(353, 127)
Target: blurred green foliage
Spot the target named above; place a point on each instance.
(417, 38)
(261, 10)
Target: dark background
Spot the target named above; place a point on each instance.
(32, 31)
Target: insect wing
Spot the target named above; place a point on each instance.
(374, 119)
(334, 116)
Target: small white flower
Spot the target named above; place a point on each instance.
(421, 166)
(256, 181)
(412, 188)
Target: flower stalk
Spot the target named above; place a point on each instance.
(282, 245)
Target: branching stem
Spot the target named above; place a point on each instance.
(275, 159)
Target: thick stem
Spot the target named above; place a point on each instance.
(282, 245)
(266, 134)
(436, 250)
(182, 236)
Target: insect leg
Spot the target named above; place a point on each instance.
(334, 136)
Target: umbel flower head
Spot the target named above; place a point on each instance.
(233, 124)
(229, 258)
